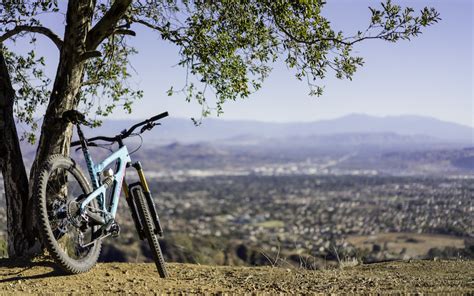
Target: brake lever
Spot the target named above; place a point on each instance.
(149, 126)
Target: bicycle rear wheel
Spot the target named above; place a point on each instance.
(147, 227)
(68, 238)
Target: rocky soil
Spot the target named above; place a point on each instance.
(42, 277)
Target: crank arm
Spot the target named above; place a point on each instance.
(97, 239)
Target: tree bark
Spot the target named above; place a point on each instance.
(20, 240)
(55, 133)
(79, 41)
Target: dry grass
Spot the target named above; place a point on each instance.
(415, 245)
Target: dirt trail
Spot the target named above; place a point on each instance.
(417, 276)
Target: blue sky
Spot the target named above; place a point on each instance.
(432, 75)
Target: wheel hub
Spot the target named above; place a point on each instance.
(73, 211)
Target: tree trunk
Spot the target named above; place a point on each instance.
(56, 134)
(20, 240)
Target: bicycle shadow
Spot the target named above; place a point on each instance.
(27, 266)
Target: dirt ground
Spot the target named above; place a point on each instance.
(417, 276)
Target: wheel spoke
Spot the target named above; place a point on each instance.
(62, 187)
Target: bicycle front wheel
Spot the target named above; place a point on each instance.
(147, 227)
(68, 238)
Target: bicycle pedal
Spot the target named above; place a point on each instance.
(113, 228)
(115, 231)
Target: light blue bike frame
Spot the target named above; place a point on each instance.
(123, 158)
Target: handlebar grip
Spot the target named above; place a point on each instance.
(159, 116)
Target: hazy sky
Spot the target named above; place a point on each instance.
(431, 75)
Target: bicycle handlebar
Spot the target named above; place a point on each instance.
(159, 116)
(125, 133)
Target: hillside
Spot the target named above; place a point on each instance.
(412, 277)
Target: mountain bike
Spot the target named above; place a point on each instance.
(75, 215)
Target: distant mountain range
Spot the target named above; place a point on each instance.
(416, 128)
(395, 145)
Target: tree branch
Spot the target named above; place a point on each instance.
(335, 40)
(90, 54)
(159, 29)
(298, 40)
(106, 25)
(33, 29)
(147, 24)
(381, 35)
(124, 32)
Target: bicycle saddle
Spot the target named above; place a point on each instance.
(74, 117)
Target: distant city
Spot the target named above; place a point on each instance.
(367, 189)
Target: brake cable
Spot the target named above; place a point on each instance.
(140, 145)
(93, 144)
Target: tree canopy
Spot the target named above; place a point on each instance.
(227, 46)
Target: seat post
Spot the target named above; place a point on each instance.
(88, 158)
(81, 136)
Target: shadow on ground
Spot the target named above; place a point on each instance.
(15, 270)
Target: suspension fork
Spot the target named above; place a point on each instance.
(133, 208)
(149, 199)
